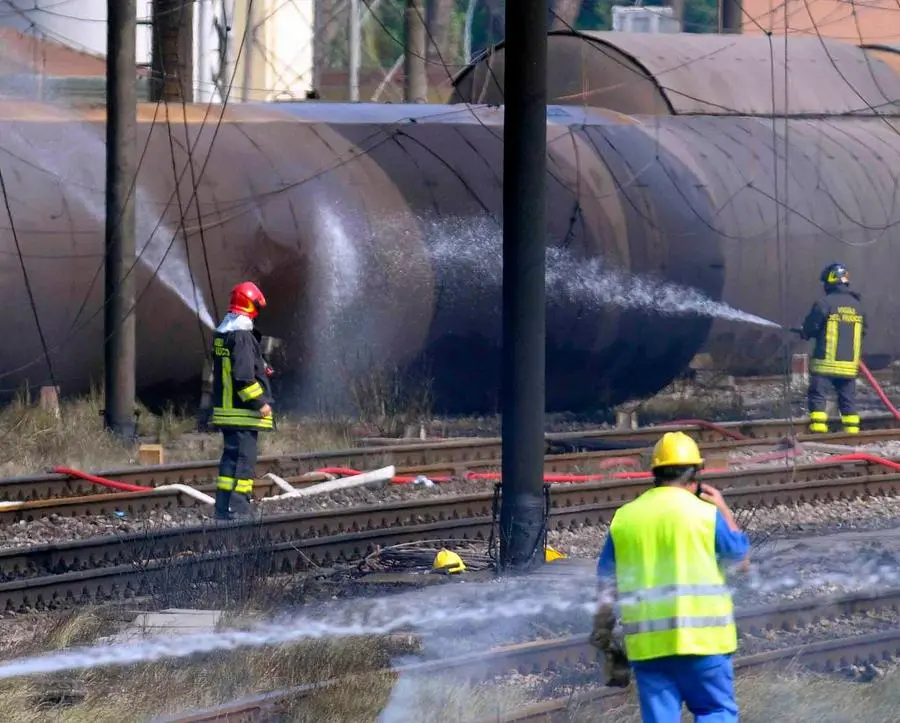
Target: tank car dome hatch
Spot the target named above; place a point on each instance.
(702, 73)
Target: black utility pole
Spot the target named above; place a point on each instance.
(173, 51)
(121, 167)
(415, 75)
(524, 312)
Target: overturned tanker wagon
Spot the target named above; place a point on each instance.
(374, 232)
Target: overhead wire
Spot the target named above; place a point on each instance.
(132, 189)
(29, 291)
(361, 149)
(165, 72)
(676, 91)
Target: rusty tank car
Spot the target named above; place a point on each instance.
(374, 229)
(360, 226)
(818, 183)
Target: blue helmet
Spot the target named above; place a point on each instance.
(835, 275)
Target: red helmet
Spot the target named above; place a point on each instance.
(246, 299)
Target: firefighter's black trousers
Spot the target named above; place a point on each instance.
(238, 464)
(846, 395)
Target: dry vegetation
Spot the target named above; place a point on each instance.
(141, 692)
(792, 697)
(33, 440)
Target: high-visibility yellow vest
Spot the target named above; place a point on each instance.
(672, 594)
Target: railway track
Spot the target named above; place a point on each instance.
(39, 501)
(446, 454)
(562, 653)
(113, 566)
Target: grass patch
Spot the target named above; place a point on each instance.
(33, 440)
(141, 692)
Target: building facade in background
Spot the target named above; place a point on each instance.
(873, 22)
(274, 60)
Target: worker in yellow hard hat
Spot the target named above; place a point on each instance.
(663, 555)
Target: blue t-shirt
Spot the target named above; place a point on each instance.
(730, 545)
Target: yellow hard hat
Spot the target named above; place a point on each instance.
(448, 561)
(676, 449)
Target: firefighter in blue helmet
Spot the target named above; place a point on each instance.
(242, 395)
(837, 323)
(663, 554)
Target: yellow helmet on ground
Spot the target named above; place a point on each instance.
(448, 561)
(550, 554)
(676, 449)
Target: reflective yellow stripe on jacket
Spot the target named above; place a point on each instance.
(229, 416)
(843, 345)
(672, 595)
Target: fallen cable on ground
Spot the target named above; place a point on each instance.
(419, 556)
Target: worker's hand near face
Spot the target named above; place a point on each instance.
(710, 494)
(265, 411)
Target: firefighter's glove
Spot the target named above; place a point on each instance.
(617, 671)
(604, 622)
(796, 330)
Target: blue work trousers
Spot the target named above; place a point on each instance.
(705, 683)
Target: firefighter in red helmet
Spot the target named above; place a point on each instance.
(242, 397)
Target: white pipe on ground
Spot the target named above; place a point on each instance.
(358, 480)
(189, 491)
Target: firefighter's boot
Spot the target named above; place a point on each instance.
(242, 504)
(223, 505)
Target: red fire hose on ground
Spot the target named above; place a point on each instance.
(573, 478)
(873, 382)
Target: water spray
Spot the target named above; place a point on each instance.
(473, 246)
(430, 611)
(156, 249)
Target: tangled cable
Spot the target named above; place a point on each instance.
(419, 556)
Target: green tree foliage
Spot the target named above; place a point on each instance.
(383, 33)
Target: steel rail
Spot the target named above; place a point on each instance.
(100, 568)
(599, 497)
(418, 454)
(136, 503)
(561, 653)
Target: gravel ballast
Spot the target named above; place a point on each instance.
(56, 528)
